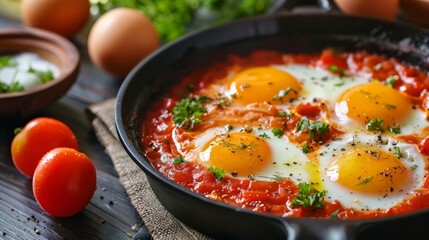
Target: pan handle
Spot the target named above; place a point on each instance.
(302, 229)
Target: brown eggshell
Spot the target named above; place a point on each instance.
(383, 9)
(120, 39)
(416, 11)
(64, 17)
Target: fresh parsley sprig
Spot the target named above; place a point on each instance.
(309, 197)
(375, 124)
(219, 173)
(188, 112)
(317, 128)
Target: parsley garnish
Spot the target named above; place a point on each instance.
(264, 135)
(398, 152)
(305, 148)
(375, 124)
(187, 113)
(340, 84)
(222, 102)
(334, 214)
(178, 160)
(283, 93)
(44, 76)
(275, 177)
(219, 173)
(228, 127)
(17, 130)
(365, 181)
(395, 130)
(319, 127)
(283, 114)
(7, 61)
(190, 87)
(308, 197)
(336, 69)
(390, 81)
(10, 88)
(277, 132)
(389, 106)
(414, 167)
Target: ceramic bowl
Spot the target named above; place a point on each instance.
(50, 47)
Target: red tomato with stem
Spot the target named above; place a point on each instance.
(39, 136)
(64, 182)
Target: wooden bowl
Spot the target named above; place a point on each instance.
(49, 46)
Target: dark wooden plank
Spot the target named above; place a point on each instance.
(110, 214)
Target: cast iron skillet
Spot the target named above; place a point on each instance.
(152, 78)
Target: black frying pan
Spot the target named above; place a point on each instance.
(152, 78)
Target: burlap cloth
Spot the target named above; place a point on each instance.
(160, 223)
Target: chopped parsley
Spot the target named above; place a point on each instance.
(178, 160)
(308, 197)
(44, 76)
(375, 124)
(365, 181)
(10, 88)
(275, 177)
(336, 69)
(305, 148)
(334, 214)
(397, 152)
(219, 173)
(228, 127)
(7, 61)
(317, 127)
(414, 167)
(395, 130)
(283, 93)
(340, 84)
(187, 113)
(283, 114)
(264, 136)
(390, 106)
(190, 87)
(390, 81)
(277, 132)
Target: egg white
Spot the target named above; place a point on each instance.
(287, 159)
(411, 159)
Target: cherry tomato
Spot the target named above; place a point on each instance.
(39, 136)
(64, 182)
(424, 146)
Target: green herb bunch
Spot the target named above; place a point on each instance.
(172, 19)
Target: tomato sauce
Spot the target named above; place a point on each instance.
(159, 132)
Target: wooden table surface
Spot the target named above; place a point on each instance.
(110, 214)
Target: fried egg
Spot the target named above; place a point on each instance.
(288, 85)
(362, 103)
(370, 172)
(251, 153)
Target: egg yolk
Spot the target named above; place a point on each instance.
(373, 101)
(241, 154)
(369, 170)
(262, 84)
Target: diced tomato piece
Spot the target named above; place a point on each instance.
(329, 58)
(255, 196)
(309, 110)
(424, 146)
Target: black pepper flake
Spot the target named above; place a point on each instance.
(102, 221)
(4, 234)
(234, 174)
(101, 197)
(111, 202)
